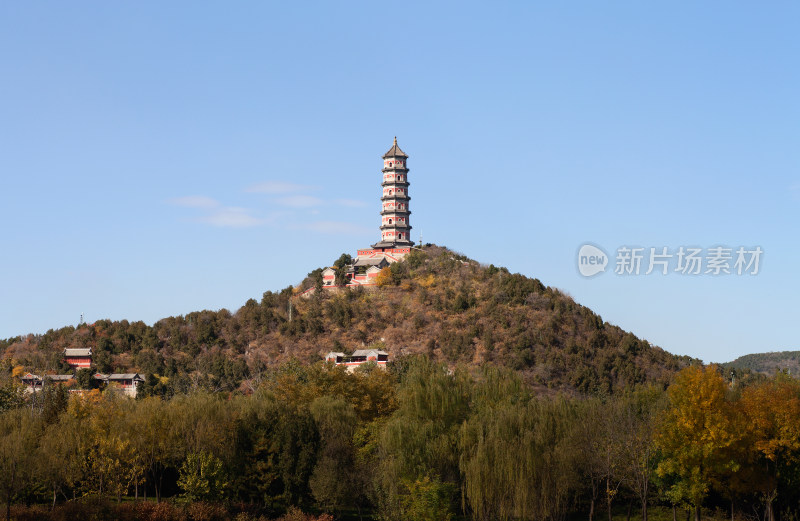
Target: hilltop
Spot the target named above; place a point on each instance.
(435, 302)
(768, 363)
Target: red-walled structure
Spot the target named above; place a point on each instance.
(78, 358)
(395, 226)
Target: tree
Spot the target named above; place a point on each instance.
(84, 379)
(772, 409)
(640, 412)
(153, 443)
(421, 438)
(203, 477)
(111, 460)
(60, 459)
(54, 400)
(343, 260)
(384, 277)
(277, 446)
(699, 436)
(202, 422)
(428, 500)
(340, 268)
(11, 397)
(102, 360)
(19, 434)
(598, 439)
(335, 481)
(517, 461)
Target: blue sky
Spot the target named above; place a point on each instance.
(158, 158)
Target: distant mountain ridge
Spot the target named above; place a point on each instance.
(769, 362)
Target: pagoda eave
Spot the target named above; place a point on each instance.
(396, 226)
(393, 244)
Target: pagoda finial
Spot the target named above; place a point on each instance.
(394, 151)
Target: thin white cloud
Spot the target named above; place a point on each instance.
(352, 203)
(280, 187)
(194, 201)
(299, 201)
(232, 217)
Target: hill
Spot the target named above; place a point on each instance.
(768, 363)
(435, 302)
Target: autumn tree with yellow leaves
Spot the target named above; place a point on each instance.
(772, 409)
(700, 436)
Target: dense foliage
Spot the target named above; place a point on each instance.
(418, 441)
(435, 302)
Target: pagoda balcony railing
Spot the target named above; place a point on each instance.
(399, 183)
(394, 169)
(403, 212)
(395, 196)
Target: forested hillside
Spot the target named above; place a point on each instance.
(768, 363)
(435, 302)
(416, 442)
(504, 399)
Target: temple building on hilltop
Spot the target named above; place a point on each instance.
(395, 227)
(78, 358)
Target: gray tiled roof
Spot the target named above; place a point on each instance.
(78, 352)
(51, 377)
(395, 151)
(124, 376)
(393, 244)
(60, 377)
(367, 352)
(369, 261)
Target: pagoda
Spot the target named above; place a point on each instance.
(395, 226)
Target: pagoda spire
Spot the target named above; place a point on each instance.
(395, 225)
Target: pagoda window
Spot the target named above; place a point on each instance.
(390, 221)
